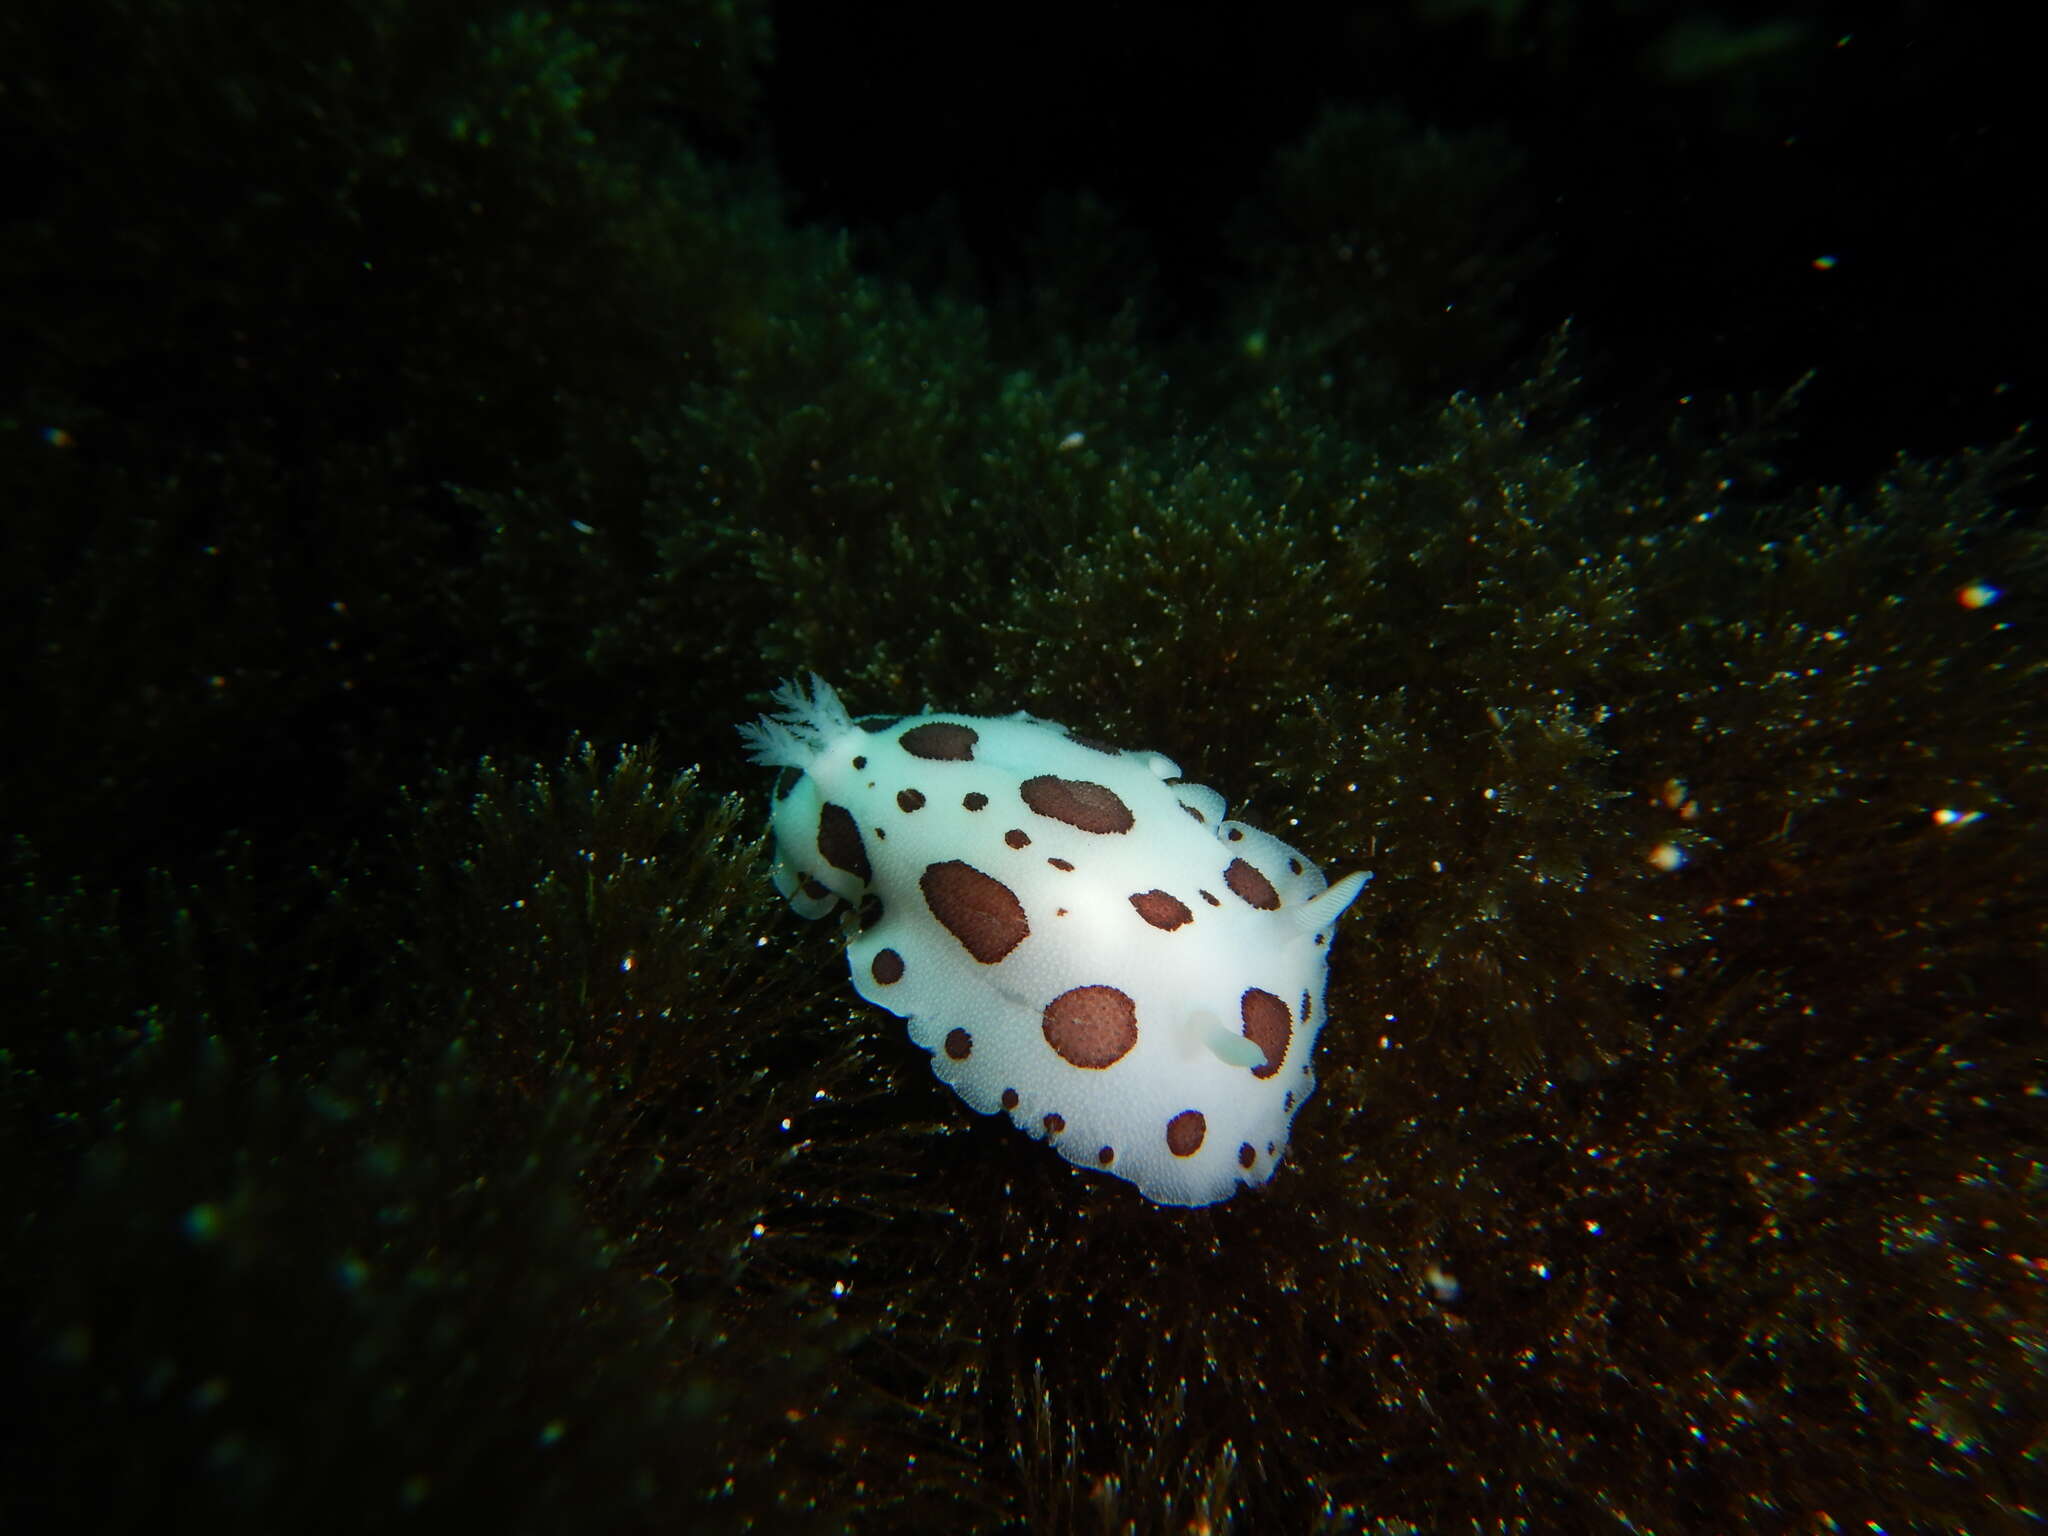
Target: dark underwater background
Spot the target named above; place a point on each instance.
(1567, 458)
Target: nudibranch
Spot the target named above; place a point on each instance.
(1077, 936)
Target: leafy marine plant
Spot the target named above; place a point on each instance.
(502, 1149)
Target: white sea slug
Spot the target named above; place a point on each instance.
(1080, 939)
